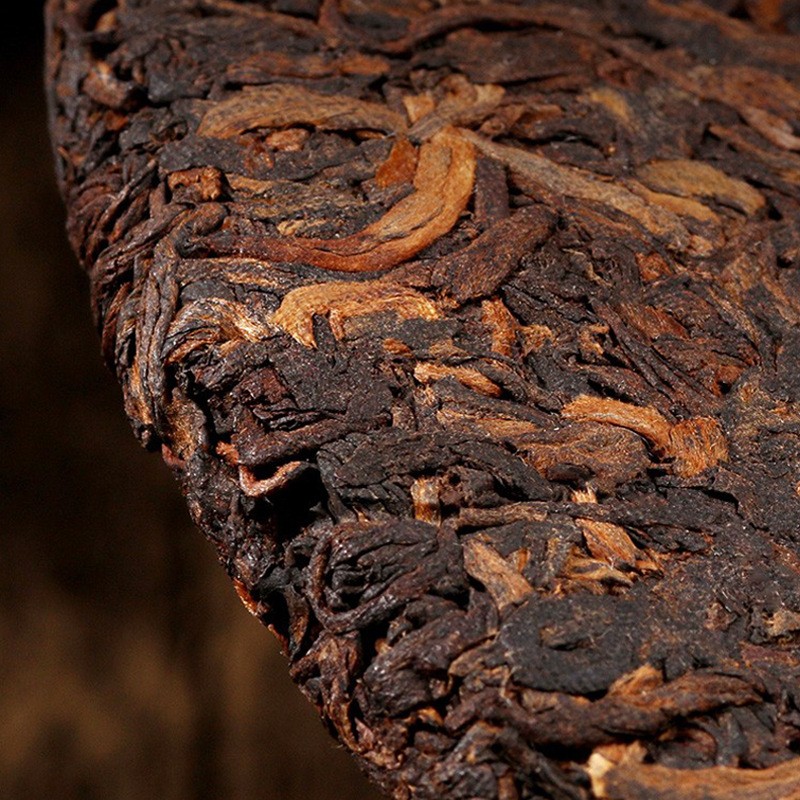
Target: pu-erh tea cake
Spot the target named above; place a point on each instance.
(471, 331)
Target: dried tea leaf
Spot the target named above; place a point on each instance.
(557, 180)
(479, 269)
(426, 372)
(648, 422)
(340, 302)
(443, 184)
(523, 511)
(282, 106)
(400, 166)
(631, 780)
(694, 445)
(698, 179)
(505, 585)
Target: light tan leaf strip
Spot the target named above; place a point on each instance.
(693, 445)
(340, 301)
(688, 178)
(280, 106)
(566, 181)
(505, 585)
(428, 372)
(443, 185)
(632, 780)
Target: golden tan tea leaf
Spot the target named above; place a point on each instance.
(280, 106)
(505, 585)
(693, 445)
(341, 301)
(558, 179)
(400, 166)
(426, 372)
(632, 780)
(648, 422)
(688, 178)
(443, 185)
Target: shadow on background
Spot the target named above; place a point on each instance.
(128, 668)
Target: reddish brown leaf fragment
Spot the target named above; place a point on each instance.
(443, 184)
(400, 166)
(478, 270)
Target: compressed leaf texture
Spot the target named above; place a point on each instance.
(471, 333)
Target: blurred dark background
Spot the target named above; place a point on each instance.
(128, 667)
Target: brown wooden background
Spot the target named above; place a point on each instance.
(128, 668)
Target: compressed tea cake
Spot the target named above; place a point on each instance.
(471, 332)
